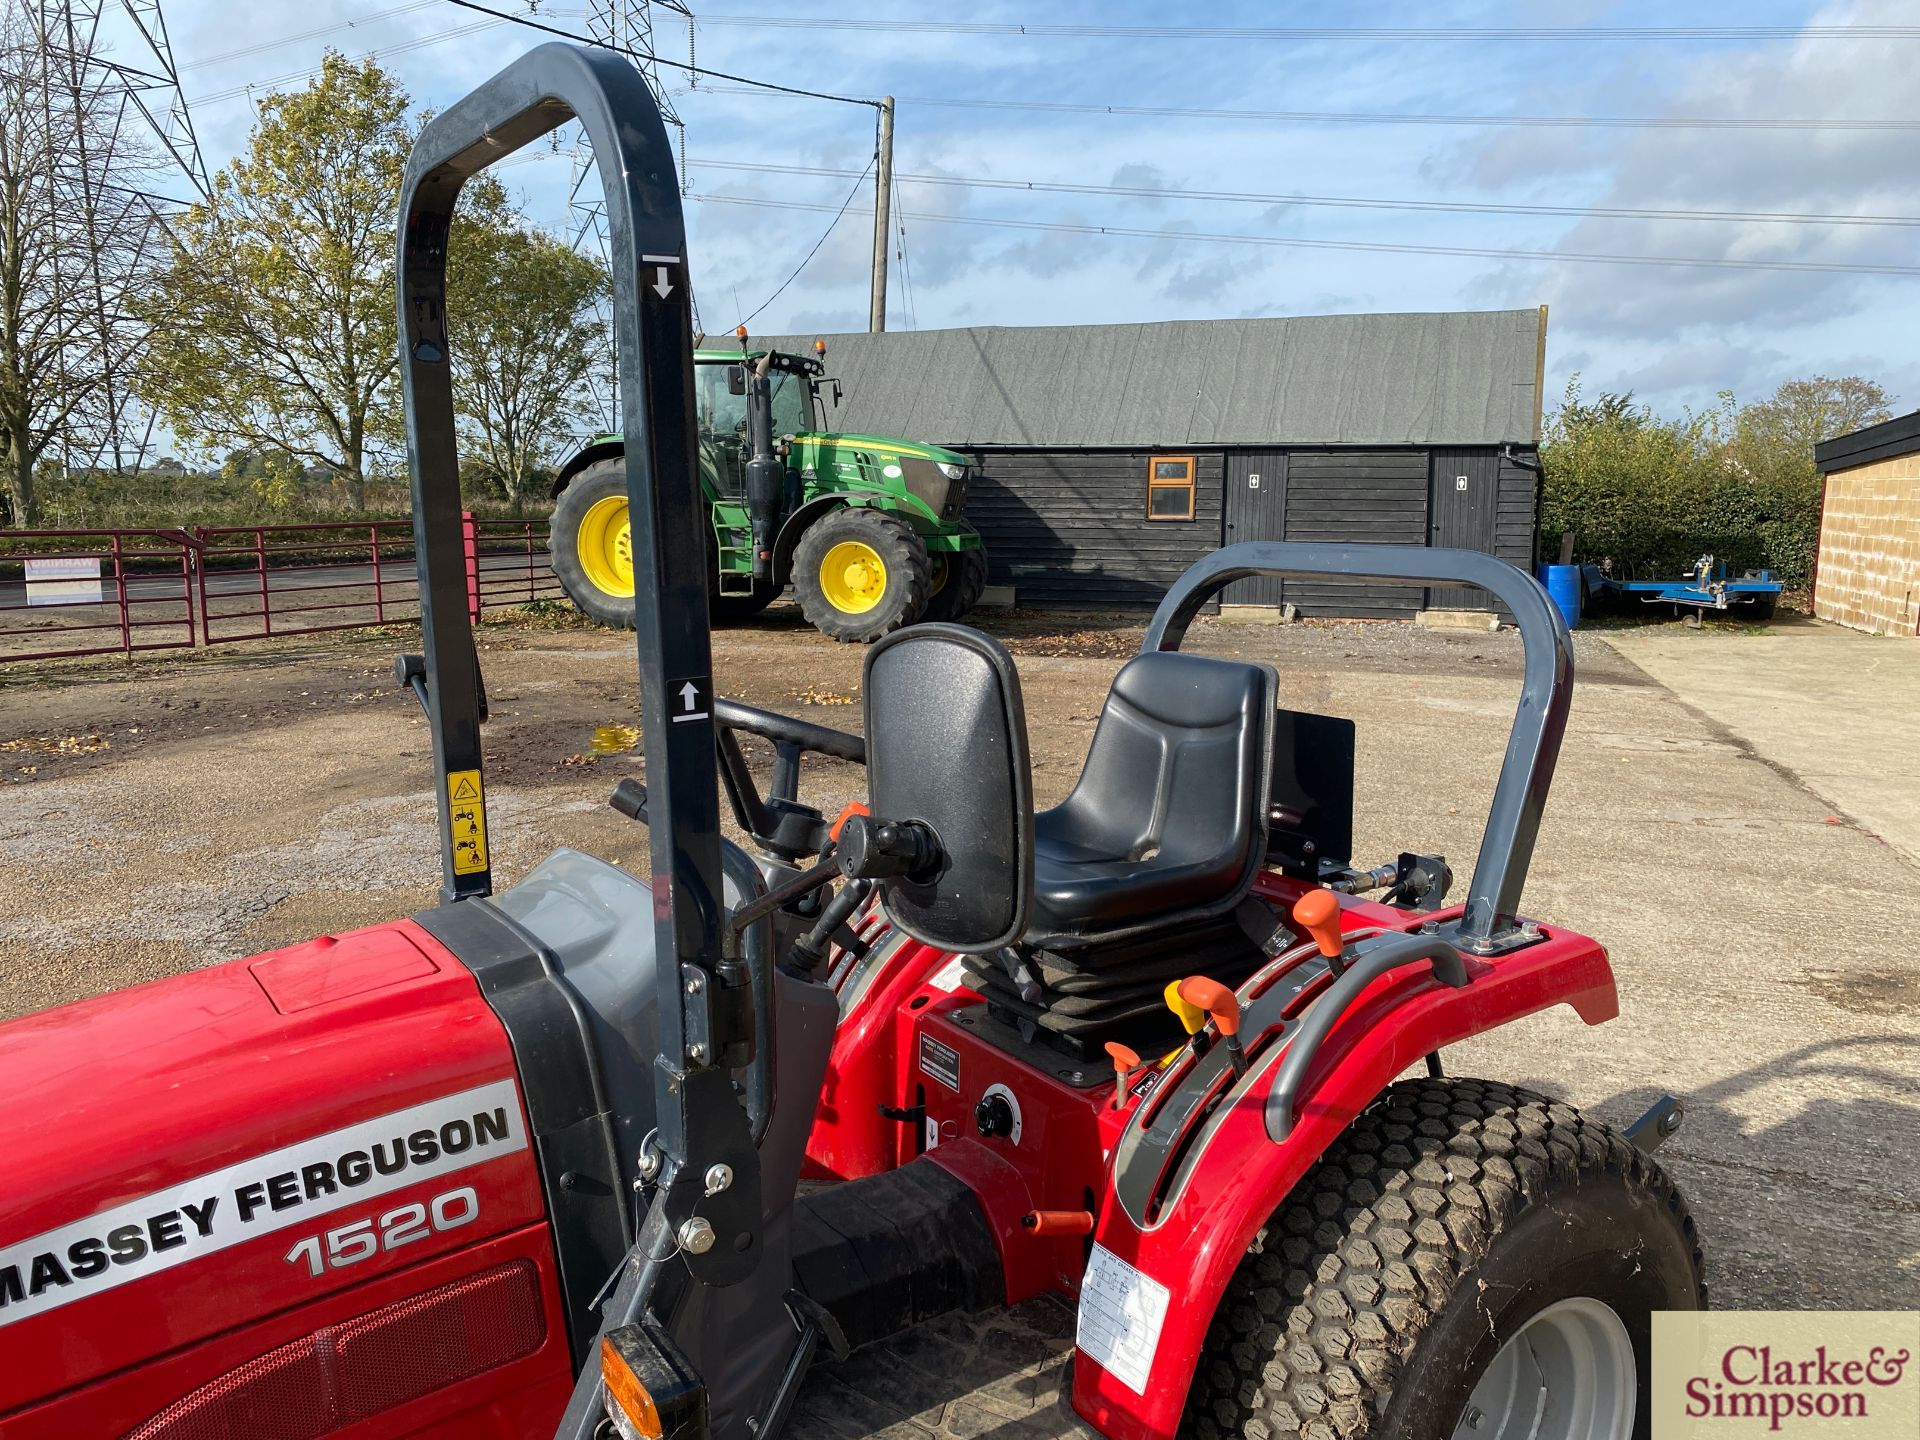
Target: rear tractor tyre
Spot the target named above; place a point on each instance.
(1468, 1260)
(957, 581)
(860, 574)
(590, 546)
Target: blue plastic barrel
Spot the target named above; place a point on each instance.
(1563, 588)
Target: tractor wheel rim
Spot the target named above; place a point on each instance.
(605, 546)
(938, 569)
(1569, 1374)
(853, 577)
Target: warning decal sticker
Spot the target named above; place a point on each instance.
(255, 1197)
(1122, 1311)
(467, 815)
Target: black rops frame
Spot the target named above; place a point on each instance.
(1488, 923)
(705, 1023)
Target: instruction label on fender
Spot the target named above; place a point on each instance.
(1122, 1311)
(942, 1062)
(289, 1186)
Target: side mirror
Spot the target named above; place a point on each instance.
(951, 834)
(736, 379)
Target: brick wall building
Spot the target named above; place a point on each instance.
(1868, 575)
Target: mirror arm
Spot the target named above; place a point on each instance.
(785, 784)
(787, 891)
(748, 812)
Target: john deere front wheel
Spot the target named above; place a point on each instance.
(860, 574)
(958, 580)
(591, 546)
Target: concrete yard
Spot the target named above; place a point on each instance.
(1733, 816)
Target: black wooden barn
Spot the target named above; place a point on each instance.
(1112, 456)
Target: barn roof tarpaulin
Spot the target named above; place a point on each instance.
(1448, 378)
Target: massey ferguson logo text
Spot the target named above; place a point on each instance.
(1752, 1382)
(258, 1196)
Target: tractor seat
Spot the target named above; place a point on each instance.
(1168, 820)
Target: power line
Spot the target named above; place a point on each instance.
(906, 268)
(247, 51)
(1369, 246)
(690, 68)
(1390, 117)
(1329, 32)
(419, 42)
(851, 194)
(1239, 197)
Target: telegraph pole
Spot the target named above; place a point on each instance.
(882, 218)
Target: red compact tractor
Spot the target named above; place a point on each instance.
(600, 1155)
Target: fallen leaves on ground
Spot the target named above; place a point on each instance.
(58, 744)
(817, 695)
(1101, 644)
(613, 739)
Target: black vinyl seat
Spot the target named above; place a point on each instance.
(1168, 820)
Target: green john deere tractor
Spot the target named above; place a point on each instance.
(868, 530)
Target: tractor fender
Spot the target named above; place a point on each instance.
(592, 455)
(789, 538)
(1236, 1176)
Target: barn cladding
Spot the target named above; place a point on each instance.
(1110, 457)
(1868, 572)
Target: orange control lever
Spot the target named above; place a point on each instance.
(1318, 913)
(1125, 1061)
(1057, 1222)
(1216, 999)
(1223, 1005)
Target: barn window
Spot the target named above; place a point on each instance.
(1170, 487)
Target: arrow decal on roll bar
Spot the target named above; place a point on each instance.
(692, 697)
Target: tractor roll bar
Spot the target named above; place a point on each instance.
(706, 1006)
(1539, 722)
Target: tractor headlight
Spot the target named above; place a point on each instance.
(952, 472)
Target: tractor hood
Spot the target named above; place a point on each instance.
(171, 1148)
(932, 479)
(885, 445)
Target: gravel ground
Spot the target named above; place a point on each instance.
(169, 814)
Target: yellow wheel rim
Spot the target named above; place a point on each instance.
(940, 568)
(853, 577)
(605, 544)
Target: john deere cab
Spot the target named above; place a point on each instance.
(868, 530)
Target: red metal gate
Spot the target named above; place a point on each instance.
(162, 589)
(142, 597)
(259, 581)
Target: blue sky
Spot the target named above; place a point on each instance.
(1673, 335)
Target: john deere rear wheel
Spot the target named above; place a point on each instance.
(860, 574)
(590, 544)
(1468, 1261)
(957, 580)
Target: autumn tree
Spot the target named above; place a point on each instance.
(286, 282)
(524, 330)
(1772, 451)
(1777, 435)
(1652, 493)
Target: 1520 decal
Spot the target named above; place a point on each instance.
(359, 1240)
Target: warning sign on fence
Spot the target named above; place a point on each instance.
(63, 580)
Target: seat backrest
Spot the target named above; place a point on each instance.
(1177, 772)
